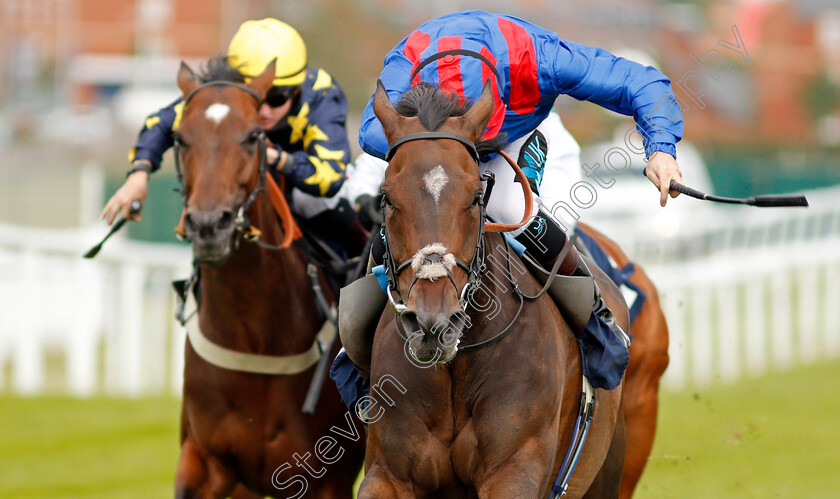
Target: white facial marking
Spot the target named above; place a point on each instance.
(432, 270)
(217, 112)
(436, 179)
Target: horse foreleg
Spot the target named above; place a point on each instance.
(198, 476)
(606, 483)
(523, 474)
(648, 360)
(380, 484)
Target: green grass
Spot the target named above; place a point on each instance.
(776, 436)
(60, 447)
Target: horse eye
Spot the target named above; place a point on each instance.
(253, 136)
(478, 198)
(385, 200)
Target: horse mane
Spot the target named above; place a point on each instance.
(217, 69)
(433, 105)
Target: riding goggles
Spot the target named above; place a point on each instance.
(278, 96)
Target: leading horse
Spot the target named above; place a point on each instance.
(243, 433)
(495, 419)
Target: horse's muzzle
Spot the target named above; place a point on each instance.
(433, 339)
(211, 234)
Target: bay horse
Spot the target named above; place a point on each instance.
(243, 433)
(648, 361)
(496, 419)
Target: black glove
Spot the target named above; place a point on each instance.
(369, 213)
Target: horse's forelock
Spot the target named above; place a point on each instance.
(433, 106)
(217, 69)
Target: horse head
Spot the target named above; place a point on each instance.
(432, 198)
(220, 155)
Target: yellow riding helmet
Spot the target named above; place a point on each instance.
(256, 43)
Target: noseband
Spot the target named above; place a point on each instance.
(473, 268)
(241, 222)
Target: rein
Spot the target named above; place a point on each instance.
(477, 264)
(243, 225)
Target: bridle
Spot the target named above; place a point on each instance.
(473, 268)
(241, 222)
(477, 265)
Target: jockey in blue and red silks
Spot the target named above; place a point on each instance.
(529, 67)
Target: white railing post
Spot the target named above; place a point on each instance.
(132, 307)
(755, 325)
(807, 296)
(781, 327)
(673, 306)
(831, 306)
(81, 345)
(28, 372)
(728, 331)
(701, 335)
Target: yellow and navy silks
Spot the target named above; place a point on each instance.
(314, 134)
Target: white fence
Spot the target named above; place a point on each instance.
(77, 326)
(736, 306)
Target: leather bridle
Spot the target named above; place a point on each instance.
(243, 226)
(476, 265)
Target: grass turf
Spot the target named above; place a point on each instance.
(775, 436)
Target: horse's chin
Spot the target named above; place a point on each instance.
(428, 353)
(211, 255)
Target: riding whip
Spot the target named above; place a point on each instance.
(135, 207)
(767, 201)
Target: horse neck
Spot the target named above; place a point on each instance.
(266, 291)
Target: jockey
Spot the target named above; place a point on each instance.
(303, 116)
(528, 68)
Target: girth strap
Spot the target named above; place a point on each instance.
(234, 360)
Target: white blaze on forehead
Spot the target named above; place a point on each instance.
(436, 179)
(217, 112)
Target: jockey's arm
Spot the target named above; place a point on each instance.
(154, 139)
(320, 168)
(395, 77)
(626, 87)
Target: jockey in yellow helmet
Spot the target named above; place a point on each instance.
(303, 115)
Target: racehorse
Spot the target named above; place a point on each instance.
(495, 419)
(243, 433)
(648, 360)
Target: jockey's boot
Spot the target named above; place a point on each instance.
(576, 293)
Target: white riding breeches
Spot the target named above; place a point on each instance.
(562, 171)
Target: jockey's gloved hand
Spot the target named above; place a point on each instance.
(368, 208)
(278, 159)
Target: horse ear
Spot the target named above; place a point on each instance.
(262, 83)
(476, 118)
(187, 81)
(385, 111)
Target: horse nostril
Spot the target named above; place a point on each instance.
(189, 223)
(411, 323)
(225, 220)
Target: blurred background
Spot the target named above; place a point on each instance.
(90, 357)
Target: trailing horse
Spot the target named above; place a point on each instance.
(488, 371)
(257, 334)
